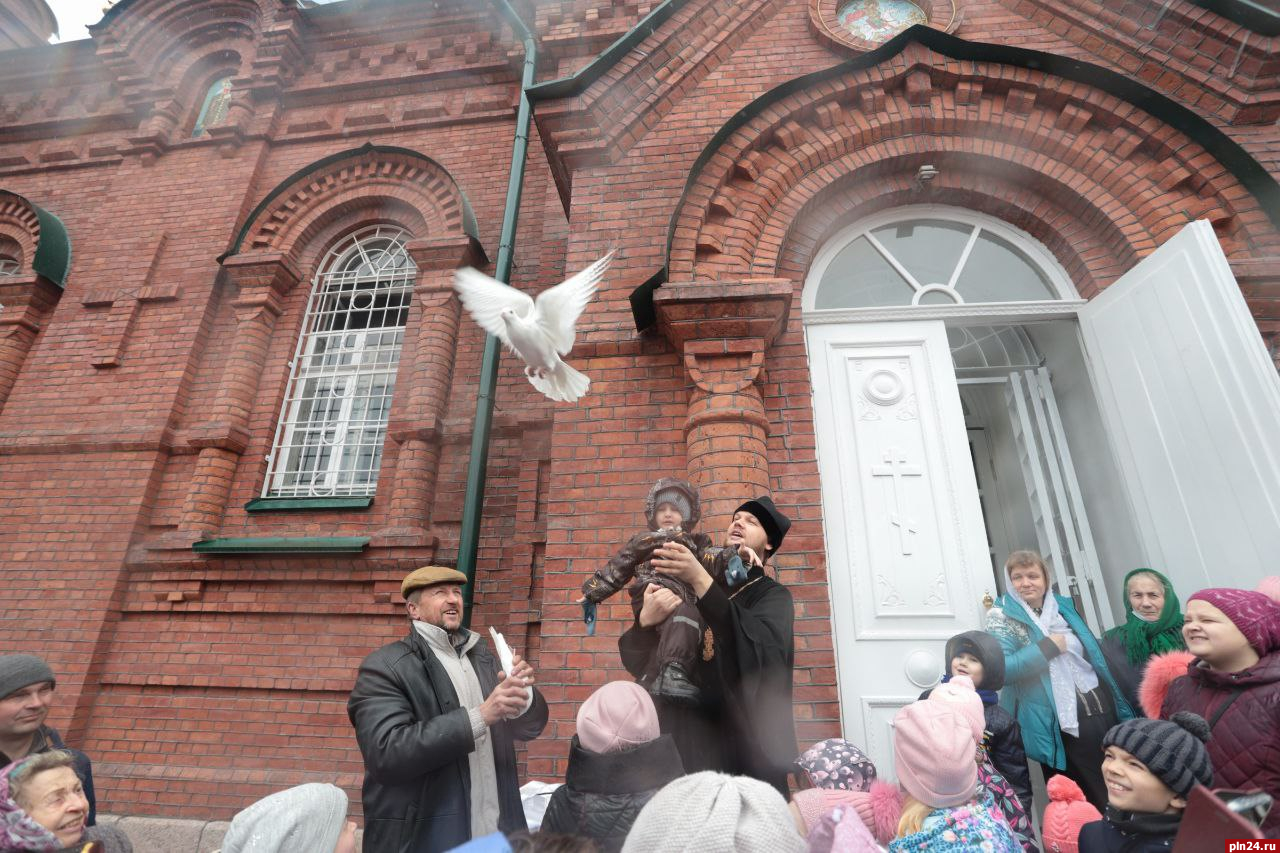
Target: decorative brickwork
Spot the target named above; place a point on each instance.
(814, 160)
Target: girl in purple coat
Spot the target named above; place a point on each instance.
(1234, 683)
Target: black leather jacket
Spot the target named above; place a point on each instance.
(603, 792)
(415, 738)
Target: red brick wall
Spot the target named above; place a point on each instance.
(200, 683)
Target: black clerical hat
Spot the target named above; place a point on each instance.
(775, 524)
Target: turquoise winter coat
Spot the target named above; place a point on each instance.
(1027, 693)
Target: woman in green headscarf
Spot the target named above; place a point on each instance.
(1152, 626)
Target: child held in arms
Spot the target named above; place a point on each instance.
(1150, 767)
(672, 512)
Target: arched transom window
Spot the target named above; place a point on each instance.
(933, 256)
(331, 431)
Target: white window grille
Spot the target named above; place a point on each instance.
(9, 266)
(329, 439)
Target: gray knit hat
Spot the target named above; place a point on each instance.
(1172, 749)
(19, 671)
(305, 819)
(710, 812)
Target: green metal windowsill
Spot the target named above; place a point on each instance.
(304, 504)
(284, 545)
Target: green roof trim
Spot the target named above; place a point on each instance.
(53, 245)
(284, 545)
(578, 82)
(305, 504)
(53, 255)
(469, 225)
(1252, 174)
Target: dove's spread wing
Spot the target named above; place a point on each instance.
(486, 298)
(558, 308)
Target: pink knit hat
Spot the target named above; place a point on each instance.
(1066, 813)
(879, 807)
(618, 716)
(933, 751)
(1256, 614)
(959, 695)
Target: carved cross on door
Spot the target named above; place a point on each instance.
(896, 468)
(122, 307)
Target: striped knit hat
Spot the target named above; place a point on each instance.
(1172, 749)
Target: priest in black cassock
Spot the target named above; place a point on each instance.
(743, 723)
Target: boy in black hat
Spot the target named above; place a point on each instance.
(1150, 767)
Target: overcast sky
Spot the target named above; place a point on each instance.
(75, 16)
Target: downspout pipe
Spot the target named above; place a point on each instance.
(473, 502)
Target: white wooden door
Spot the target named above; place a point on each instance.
(906, 549)
(1192, 401)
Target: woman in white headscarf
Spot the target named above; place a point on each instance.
(1057, 683)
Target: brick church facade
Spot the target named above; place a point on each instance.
(177, 190)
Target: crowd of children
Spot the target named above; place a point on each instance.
(1036, 684)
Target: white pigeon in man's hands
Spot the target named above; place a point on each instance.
(541, 331)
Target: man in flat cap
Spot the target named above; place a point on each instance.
(26, 694)
(744, 726)
(436, 722)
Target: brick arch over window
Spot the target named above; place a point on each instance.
(41, 237)
(29, 294)
(371, 183)
(158, 38)
(1094, 178)
(19, 224)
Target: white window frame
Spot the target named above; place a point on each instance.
(1065, 305)
(357, 362)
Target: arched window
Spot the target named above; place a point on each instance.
(933, 256)
(329, 439)
(10, 257)
(214, 108)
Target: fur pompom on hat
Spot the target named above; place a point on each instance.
(959, 695)
(308, 817)
(618, 716)
(1270, 587)
(1068, 811)
(1254, 613)
(711, 812)
(1159, 673)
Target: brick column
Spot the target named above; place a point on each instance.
(426, 372)
(263, 279)
(723, 330)
(28, 300)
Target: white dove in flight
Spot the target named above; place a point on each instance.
(540, 331)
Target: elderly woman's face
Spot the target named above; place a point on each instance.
(1146, 596)
(55, 800)
(1030, 583)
